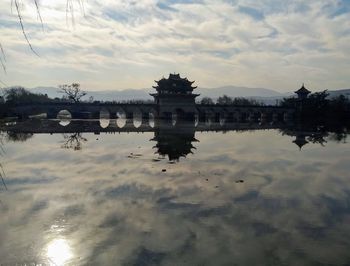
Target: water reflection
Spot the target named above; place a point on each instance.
(151, 120)
(121, 118)
(65, 117)
(247, 196)
(196, 119)
(222, 120)
(18, 136)
(173, 119)
(59, 252)
(171, 134)
(137, 118)
(73, 141)
(104, 118)
(174, 142)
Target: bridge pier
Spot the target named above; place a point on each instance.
(222, 118)
(129, 115)
(275, 117)
(229, 117)
(209, 118)
(145, 119)
(263, 117)
(287, 116)
(217, 117)
(237, 117)
(51, 114)
(251, 117)
(112, 115)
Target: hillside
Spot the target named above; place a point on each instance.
(268, 96)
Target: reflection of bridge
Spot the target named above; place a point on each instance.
(173, 138)
(37, 126)
(145, 111)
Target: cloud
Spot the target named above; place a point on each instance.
(125, 44)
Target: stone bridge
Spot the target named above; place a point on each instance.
(144, 111)
(43, 126)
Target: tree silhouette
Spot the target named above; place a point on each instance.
(206, 101)
(72, 92)
(73, 141)
(19, 94)
(17, 7)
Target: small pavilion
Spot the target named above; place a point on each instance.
(302, 93)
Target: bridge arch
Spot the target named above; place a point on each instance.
(65, 117)
(222, 117)
(196, 119)
(137, 117)
(152, 117)
(104, 118)
(174, 118)
(120, 117)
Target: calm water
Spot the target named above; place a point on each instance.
(240, 198)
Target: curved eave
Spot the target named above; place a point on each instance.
(302, 92)
(193, 95)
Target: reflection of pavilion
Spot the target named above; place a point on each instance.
(300, 140)
(175, 142)
(305, 134)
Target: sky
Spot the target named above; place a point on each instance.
(119, 44)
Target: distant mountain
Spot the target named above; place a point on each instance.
(130, 94)
(137, 94)
(234, 91)
(266, 96)
(336, 93)
(52, 92)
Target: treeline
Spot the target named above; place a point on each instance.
(17, 95)
(70, 93)
(318, 106)
(227, 100)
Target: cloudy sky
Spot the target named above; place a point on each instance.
(119, 44)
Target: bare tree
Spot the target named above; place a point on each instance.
(2, 62)
(2, 58)
(20, 19)
(69, 10)
(17, 7)
(73, 141)
(73, 92)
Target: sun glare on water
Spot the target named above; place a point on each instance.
(59, 252)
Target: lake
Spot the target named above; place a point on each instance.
(174, 195)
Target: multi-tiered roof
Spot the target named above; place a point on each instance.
(174, 85)
(302, 92)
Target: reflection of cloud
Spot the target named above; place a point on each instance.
(59, 252)
(130, 212)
